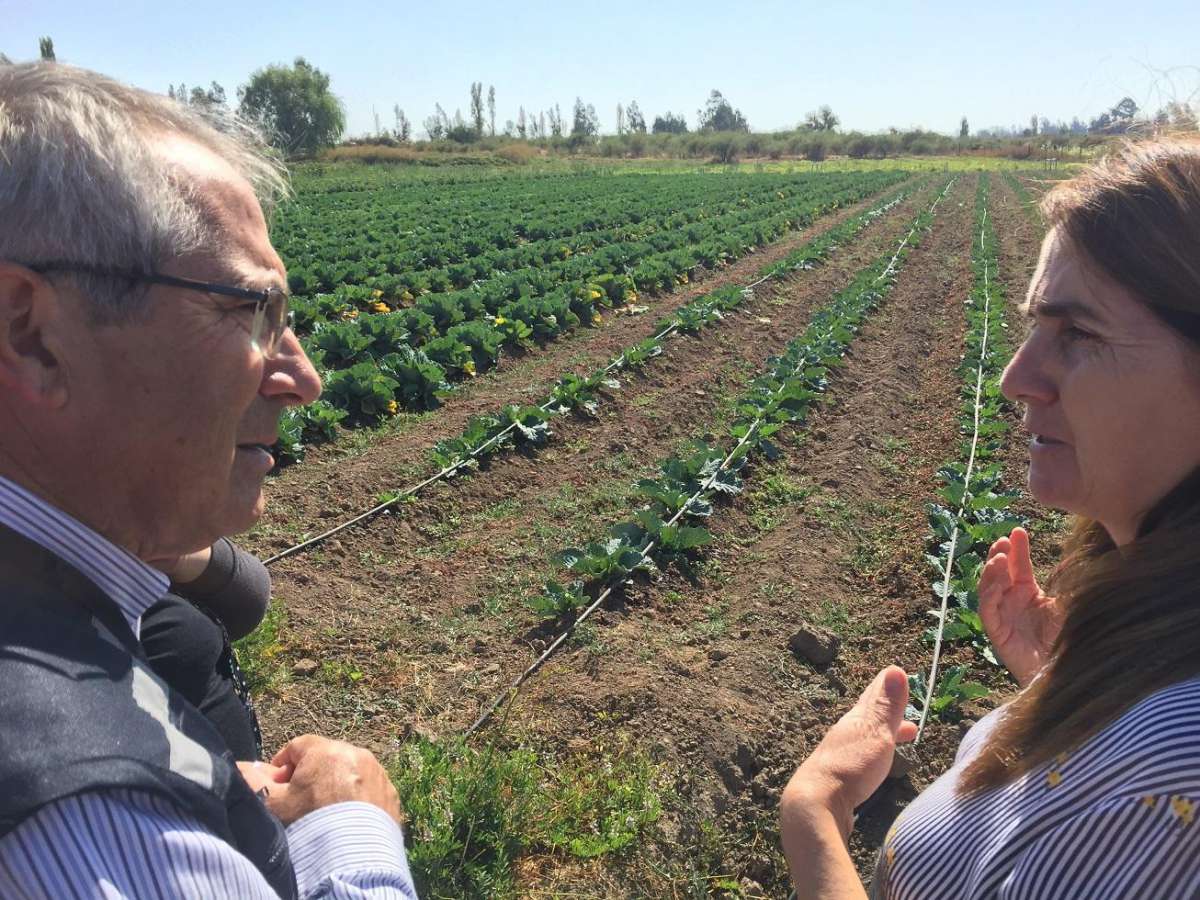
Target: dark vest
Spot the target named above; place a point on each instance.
(81, 711)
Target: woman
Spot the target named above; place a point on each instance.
(1086, 784)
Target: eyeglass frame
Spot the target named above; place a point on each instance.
(263, 296)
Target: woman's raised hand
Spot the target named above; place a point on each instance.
(1021, 621)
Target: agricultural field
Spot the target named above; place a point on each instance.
(624, 484)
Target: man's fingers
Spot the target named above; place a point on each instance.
(291, 752)
(906, 733)
(1022, 563)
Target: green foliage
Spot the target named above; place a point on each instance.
(363, 392)
(295, 107)
(952, 691)
(258, 652)
(719, 115)
(474, 812)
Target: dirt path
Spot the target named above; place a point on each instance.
(336, 482)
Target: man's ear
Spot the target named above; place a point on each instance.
(31, 365)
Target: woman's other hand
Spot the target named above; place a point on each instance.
(1021, 621)
(851, 761)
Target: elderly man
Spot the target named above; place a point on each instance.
(145, 358)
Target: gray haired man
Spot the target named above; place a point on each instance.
(145, 358)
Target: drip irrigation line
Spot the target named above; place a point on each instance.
(463, 462)
(511, 691)
(945, 587)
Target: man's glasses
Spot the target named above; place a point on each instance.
(271, 316)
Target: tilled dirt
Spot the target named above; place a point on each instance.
(411, 598)
(335, 482)
(417, 616)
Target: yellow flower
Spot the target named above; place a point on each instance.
(631, 297)
(499, 320)
(351, 314)
(380, 307)
(393, 407)
(597, 318)
(594, 295)
(1053, 778)
(469, 368)
(1184, 809)
(376, 294)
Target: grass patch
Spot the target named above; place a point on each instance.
(474, 812)
(770, 501)
(258, 653)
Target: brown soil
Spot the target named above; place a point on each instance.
(339, 481)
(417, 617)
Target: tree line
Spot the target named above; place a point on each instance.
(296, 108)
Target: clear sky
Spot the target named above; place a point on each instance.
(878, 64)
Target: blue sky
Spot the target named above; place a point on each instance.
(878, 64)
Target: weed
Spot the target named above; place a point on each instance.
(258, 652)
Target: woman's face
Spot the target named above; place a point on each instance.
(1111, 395)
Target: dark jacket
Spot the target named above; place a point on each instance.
(81, 711)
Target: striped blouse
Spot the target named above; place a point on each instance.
(1116, 818)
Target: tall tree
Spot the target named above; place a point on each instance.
(542, 124)
(46, 48)
(522, 123)
(492, 110)
(294, 105)
(620, 119)
(556, 122)
(403, 126)
(719, 115)
(477, 106)
(634, 119)
(964, 129)
(584, 123)
(214, 95)
(821, 120)
(669, 123)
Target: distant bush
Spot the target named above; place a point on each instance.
(517, 153)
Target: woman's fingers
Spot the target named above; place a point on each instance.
(1000, 545)
(1022, 561)
(995, 578)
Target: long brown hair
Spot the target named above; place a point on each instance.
(1132, 616)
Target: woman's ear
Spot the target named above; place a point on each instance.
(31, 365)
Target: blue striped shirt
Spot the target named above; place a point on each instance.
(121, 843)
(1116, 818)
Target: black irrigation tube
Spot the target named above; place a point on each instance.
(465, 462)
(511, 691)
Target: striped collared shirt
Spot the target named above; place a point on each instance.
(125, 579)
(123, 843)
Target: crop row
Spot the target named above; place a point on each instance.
(974, 507)
(378, 364)
(665, 531)
(1028, 203)
(468, 244)
(529, 425)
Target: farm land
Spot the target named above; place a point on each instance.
(639, 532)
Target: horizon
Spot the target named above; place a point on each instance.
(662, 59)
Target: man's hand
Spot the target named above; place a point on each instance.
(1021, 621)
(260, 775)
(852, 759)
(325, 772)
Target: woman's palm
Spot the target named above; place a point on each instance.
(1021, 621)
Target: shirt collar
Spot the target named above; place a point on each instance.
(125, 579)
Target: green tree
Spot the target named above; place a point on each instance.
(964, 129)
(635, 122)
(719, 115)
(669, 123)
(556, 122)
(492, 109)
(46, 48)
(821, 120)
(584, 123)
(4, 60)
(295, 106)
(403, 126)
(477, 107)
